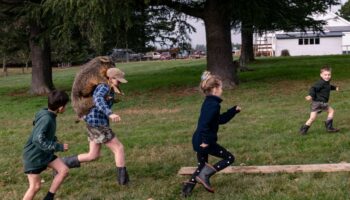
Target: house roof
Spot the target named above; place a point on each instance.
(338, 28)
(307, 35)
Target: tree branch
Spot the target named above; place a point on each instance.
(193, 9)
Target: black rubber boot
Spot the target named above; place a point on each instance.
(329, 126)
(71, 161)
(187, 189)
(304, 128)
(122, 176)
(204, 175)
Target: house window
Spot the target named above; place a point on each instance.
(312, 41)
(317, 40)
(300, 41)
(306, 41)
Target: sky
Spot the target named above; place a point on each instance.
(199, 36)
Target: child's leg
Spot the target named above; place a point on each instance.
(329, 121)
(221, 152)
(62, 172)
(118, 149)
(202, 158)
(93, 154)
(34, 186)
(187, 188)
(330, 112)
(312, 118)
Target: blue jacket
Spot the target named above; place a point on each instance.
(209, 120)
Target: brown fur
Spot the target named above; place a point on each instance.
(90, 75)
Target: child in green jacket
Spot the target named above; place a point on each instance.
(42, 144)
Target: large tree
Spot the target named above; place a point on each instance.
(29, 14)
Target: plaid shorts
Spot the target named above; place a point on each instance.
(100, 134)
(318, 106)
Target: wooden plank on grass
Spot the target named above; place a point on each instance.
(268, 169)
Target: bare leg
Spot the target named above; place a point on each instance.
(93, 154)
(330, 112)
(34, 186)
(312, 118)
(118, 149)
(62, 173)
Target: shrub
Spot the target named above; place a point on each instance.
(285, 52)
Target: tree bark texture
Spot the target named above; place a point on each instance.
(40, 54)
(247, 49)
(219, 47)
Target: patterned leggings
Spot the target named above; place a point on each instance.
(214, 150)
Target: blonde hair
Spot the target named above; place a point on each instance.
(209, 82)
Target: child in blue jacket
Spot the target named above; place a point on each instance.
(205, 137)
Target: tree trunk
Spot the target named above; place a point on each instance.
(4, 68)
(41, 62)
(219, 47)
(247, 50)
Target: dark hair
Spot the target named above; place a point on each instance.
(326, 68)
(56, 99)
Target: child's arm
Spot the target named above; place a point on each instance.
(229, 114)
(40, 140)
(333, 87)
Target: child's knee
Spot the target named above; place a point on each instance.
(120, 147)
(64, 171)
(35, 187)
(231, 158)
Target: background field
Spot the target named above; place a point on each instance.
(159, 114)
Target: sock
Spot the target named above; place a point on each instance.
(49, 196)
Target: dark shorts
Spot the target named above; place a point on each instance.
(39, 170)
(317, 106)
(101, 134)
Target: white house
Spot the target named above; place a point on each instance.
(335, 39)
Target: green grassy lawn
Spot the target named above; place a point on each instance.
(159, 114)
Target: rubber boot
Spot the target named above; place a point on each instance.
(187, 189)
(70, 162)
(204, 175)
(303, 130)
(329, 126)
(122, 176)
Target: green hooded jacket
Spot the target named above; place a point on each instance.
(42, 143)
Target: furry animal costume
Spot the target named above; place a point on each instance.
(90, 75)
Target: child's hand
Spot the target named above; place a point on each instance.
(238, 108)
(203, 145)
(114, 117)
(308, 98)
(65, 147)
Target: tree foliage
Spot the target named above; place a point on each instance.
(345, 11)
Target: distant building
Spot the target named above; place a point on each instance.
(334, 40)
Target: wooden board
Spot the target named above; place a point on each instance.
(268, 169)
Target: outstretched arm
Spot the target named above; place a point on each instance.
(229, 114)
